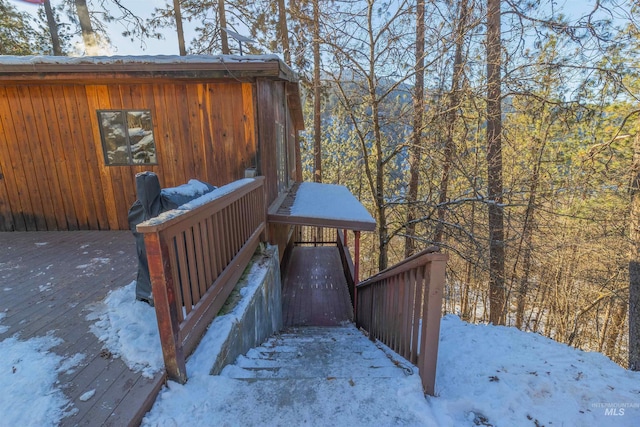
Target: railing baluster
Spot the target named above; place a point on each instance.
(183, 288)
(219, 243)
(199, 288)
(192, 281)
(406, 318)
(394, 318)
(205, 228)
(175, 273)
(417, 314)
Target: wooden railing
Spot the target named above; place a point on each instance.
(307, 235)
(402, 305)
(196, 255)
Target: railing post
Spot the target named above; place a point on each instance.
(166, 308)
(434, 284)
(356, 261)
(356, 271)
(265, 236)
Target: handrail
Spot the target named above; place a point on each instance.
(196, 254)
(347, 263)
(402, 305)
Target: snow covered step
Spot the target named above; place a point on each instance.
(315, 353)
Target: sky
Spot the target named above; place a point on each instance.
(122, 45)
(169, 45)
(487, 375)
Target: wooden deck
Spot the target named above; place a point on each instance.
(315, 290)
(49, 279)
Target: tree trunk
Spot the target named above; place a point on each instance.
(497, 294)
(605, 327)
(526, 242)
(634, 261)
(284, 31)
(222, 16)
(53, 29)
(617, 325)
(383, 227)
(88, 35)
(178, 15)
(317, 124)
(523, 288)
(450, 120)
(381, 207)
(416, 137)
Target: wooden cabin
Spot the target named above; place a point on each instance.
(74, 132)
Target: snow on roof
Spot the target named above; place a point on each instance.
(329, 201)
(141, 59)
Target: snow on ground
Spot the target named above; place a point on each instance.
(129, 330)
(487, 375)
(513, 378)
(321, 376)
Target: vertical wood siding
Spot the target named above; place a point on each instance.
(52, 170)
(271, 94)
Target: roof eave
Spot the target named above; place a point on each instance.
(139, 69)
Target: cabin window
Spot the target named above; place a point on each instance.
(127, 137)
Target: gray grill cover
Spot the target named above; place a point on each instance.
(152, 201)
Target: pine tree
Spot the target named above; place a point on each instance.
(17, 36)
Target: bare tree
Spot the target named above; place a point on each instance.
(53, 28)
(497, 293)
(317, 105)
(416, 137)
(450, 116)
(634, 261)
(367, 73)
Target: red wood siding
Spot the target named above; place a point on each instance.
(52, 170)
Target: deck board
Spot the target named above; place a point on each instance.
(49, 280)
(315, 290)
